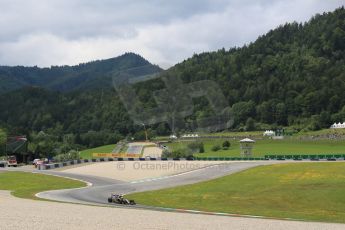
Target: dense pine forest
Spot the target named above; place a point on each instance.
(293, 76)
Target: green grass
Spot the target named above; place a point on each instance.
(321, 132)
(87, 154)
(309, 191)
(266, 147)
(235, 134)
(26, 185)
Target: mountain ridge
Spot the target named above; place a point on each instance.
(88, 75)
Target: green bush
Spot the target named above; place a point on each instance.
(178, 153)
(215, 148)
(226, 144)
(196, 147)
(71, 155)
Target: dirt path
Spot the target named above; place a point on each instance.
(152, 152)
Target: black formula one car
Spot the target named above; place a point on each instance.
(119, 199)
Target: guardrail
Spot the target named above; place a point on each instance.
(329, 157)
(229, 158)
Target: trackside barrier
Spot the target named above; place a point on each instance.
(314, 157)
(229, 158)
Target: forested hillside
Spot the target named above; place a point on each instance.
(86, 76)
(292, 76)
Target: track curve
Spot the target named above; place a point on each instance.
(101, 188)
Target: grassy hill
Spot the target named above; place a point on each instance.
(87, 153)
(267, 147)
(307, 191)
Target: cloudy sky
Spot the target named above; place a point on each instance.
(59, 32)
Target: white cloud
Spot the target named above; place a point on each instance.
(61, 32)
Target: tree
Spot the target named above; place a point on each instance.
(264, 112)
(3, 137)
(162, 129)
(202, 149)
(242, 110)
(43, 144)
(250, 124)
(226, 144)
(325, 119)
(315, 123)
(280, 113)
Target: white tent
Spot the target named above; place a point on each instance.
(268, 133)
(189, 135)
(338, 125)
(247, 140)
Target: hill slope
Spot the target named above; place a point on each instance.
(92, 75)
(291, 74)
